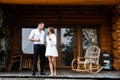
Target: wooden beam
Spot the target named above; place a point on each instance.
(37, 8)
(57, 16)
(105, 10)
(62, 2)
(65, 21)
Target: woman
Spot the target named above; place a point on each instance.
(51, 50)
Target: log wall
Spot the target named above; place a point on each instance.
(16, 40)
(116, 39)
(104, 33)
(105, 37)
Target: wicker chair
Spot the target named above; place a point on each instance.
(88, 63)
(16, 56)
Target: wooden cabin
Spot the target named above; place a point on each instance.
(78, 24)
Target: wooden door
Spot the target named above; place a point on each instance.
(66, 46)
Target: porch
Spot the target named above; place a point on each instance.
(103, 19)
(61, 74)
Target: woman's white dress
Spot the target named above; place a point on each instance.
(51, 49)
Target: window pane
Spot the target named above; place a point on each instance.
(89, 38)
(67, 44)
(27, 46)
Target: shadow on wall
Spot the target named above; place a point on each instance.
(5, 21)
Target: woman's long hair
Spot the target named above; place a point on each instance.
(51, 30)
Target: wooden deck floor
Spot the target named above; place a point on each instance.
(62, 74)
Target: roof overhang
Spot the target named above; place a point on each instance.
(61, 2)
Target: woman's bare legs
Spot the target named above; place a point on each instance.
(51, 65)
(54, 65)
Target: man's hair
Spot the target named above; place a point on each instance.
(40, 22)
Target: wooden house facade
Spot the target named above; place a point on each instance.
(78, 24)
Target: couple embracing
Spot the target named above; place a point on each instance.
(37, 36)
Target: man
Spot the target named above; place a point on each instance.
(37, 36)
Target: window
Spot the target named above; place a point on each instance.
(27, 46)
(67, 45)
(89, 38)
